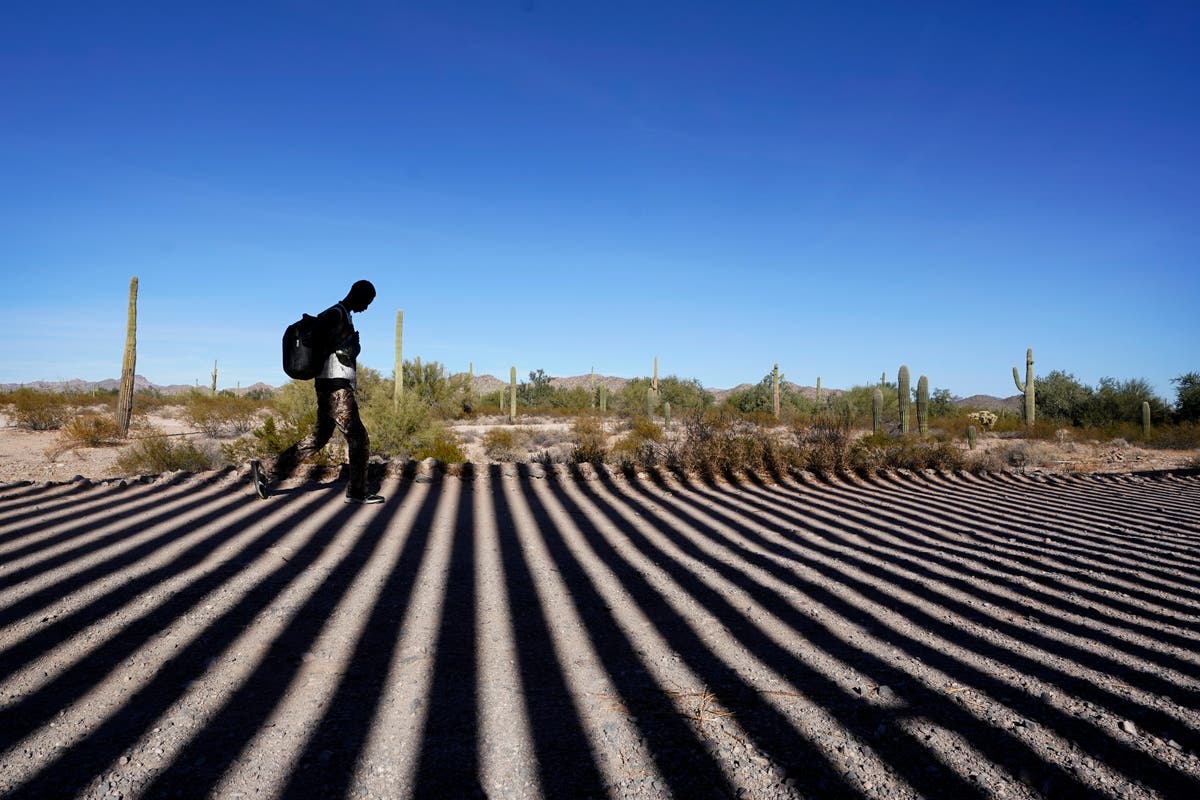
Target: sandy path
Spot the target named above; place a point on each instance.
(509, 636)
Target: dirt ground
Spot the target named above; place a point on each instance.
(522, 631)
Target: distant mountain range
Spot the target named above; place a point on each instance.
(485, 384)
(140, 383)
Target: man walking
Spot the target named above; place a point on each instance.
(336, 404)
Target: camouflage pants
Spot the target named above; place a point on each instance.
(339, 409)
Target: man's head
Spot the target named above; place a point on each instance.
(360, 296)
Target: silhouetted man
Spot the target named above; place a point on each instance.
(336, 404)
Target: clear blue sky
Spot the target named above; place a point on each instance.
(837, 187)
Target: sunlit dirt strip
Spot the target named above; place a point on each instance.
(510, 636)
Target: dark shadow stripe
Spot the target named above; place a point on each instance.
(75, 621)
(79, 515)
(84, 549)
(325, 767)
(75, 766)
(448, 765)
(677, 750)
(566, 765)
(1001, 496)
(242, 716)
(918, 558)
(772, 732)
(1067, 549)
(853, 507)
(989, 740)
(31, 711)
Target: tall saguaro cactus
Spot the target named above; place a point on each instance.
(603, 398)
(876, 410)
(775, 391)
(652, 392)
(512, 394)
(128, 363)
(923, 406)
(1027, 387)
(818, 390)
(1145, 419)
(903, 394)
(214, 377)
(398, 386)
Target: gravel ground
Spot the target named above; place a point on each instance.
(520, 632)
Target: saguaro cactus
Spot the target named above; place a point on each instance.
(923, 406)
(903, 395)
(603, 398)
(876, 410)
(667, 415)
(128, 363)
(1145, 419)
(652, 392)
(214, 377)
(1027, 387)
(818, 390)
(775, 391)
(971, 436)
(512, 394)
(398, 387)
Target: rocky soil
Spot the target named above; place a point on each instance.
(519, 631)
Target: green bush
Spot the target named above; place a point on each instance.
(160, 454)
(506, 444)
(404, 429)
(759, 399)
(222, 414)
(683, 395)
(89, 430)
(1187, 397)
(443, 446)
(590, 442)
(38, 411)
(879, 452)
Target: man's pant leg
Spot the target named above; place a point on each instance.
(310, 445)
(344, 410)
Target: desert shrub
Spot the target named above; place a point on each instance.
(826, 447)
(874, 453)
(1187, 397)
(720, 442)
(443, 446)
(427, 384)
(88, 430)
(403, 429)
(222, 414)
(759, 399)
(639, 444)
(293, 416)
(590, 441)
(683, 394)
(1181, 436)
(507, 445)
(39, 411)
(161, 454)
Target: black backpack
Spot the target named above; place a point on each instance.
(303, 356)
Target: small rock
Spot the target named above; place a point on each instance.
(1174, 745)
(1129, 727)
(886, 693)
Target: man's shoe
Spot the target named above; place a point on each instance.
(260, 479)
(369, 500)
